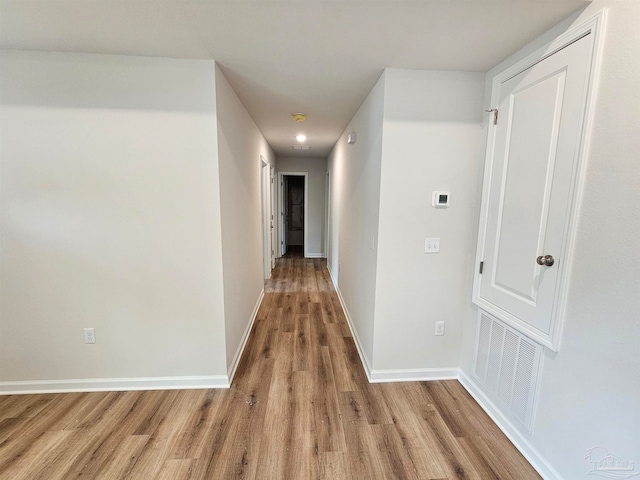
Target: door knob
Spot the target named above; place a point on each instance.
(545, 260)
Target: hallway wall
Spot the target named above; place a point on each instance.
(417, 132)
(110, 218)
(355, 197)
(432, 140)
(316, 220)
(240, 145)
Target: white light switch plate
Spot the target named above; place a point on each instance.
(431, 245)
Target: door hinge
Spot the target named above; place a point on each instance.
(481, 268)
(495, 115)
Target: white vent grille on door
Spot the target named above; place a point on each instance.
(507, 363)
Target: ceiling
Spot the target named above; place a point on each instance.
(321, 57)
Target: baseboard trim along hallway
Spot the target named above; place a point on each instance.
(399, 375)
(245, 336)
(354, 332)
(134, 383)
(113, 384)
(519, 440)
(413, 375)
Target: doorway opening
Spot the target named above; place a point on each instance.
(293, 213)
(268, 240)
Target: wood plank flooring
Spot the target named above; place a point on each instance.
(299, 408)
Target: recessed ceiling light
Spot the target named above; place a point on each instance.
(300, 147)
(301, 138)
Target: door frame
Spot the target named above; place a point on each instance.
(327, 210)
(281, 193)
(272, 206)
(266, 178)
(594, 27)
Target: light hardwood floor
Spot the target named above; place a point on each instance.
(299, 408)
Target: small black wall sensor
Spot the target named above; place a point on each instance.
(441, 199)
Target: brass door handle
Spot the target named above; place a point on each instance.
(545, 260)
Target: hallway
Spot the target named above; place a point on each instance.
(323, 419)
(300, 407)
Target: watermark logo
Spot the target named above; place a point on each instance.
(606, 464)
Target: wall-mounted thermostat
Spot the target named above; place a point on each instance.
(441, 199)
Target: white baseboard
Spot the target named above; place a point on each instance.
(133, 383)
(413, 375)
(231, 371)
(519, 440)
(383, 376)
(315, 255)
(113, 384)
(354, 333)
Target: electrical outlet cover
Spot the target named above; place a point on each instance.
(431, 245)
(89, 335)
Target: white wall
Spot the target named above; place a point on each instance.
(355, 195)
(240, 145)
(418, 131)
(316, 168)
(110, 219)
(432, 140)
(590, 389)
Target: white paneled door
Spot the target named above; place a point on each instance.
(531, 175)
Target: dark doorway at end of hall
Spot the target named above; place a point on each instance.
(293, 189)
